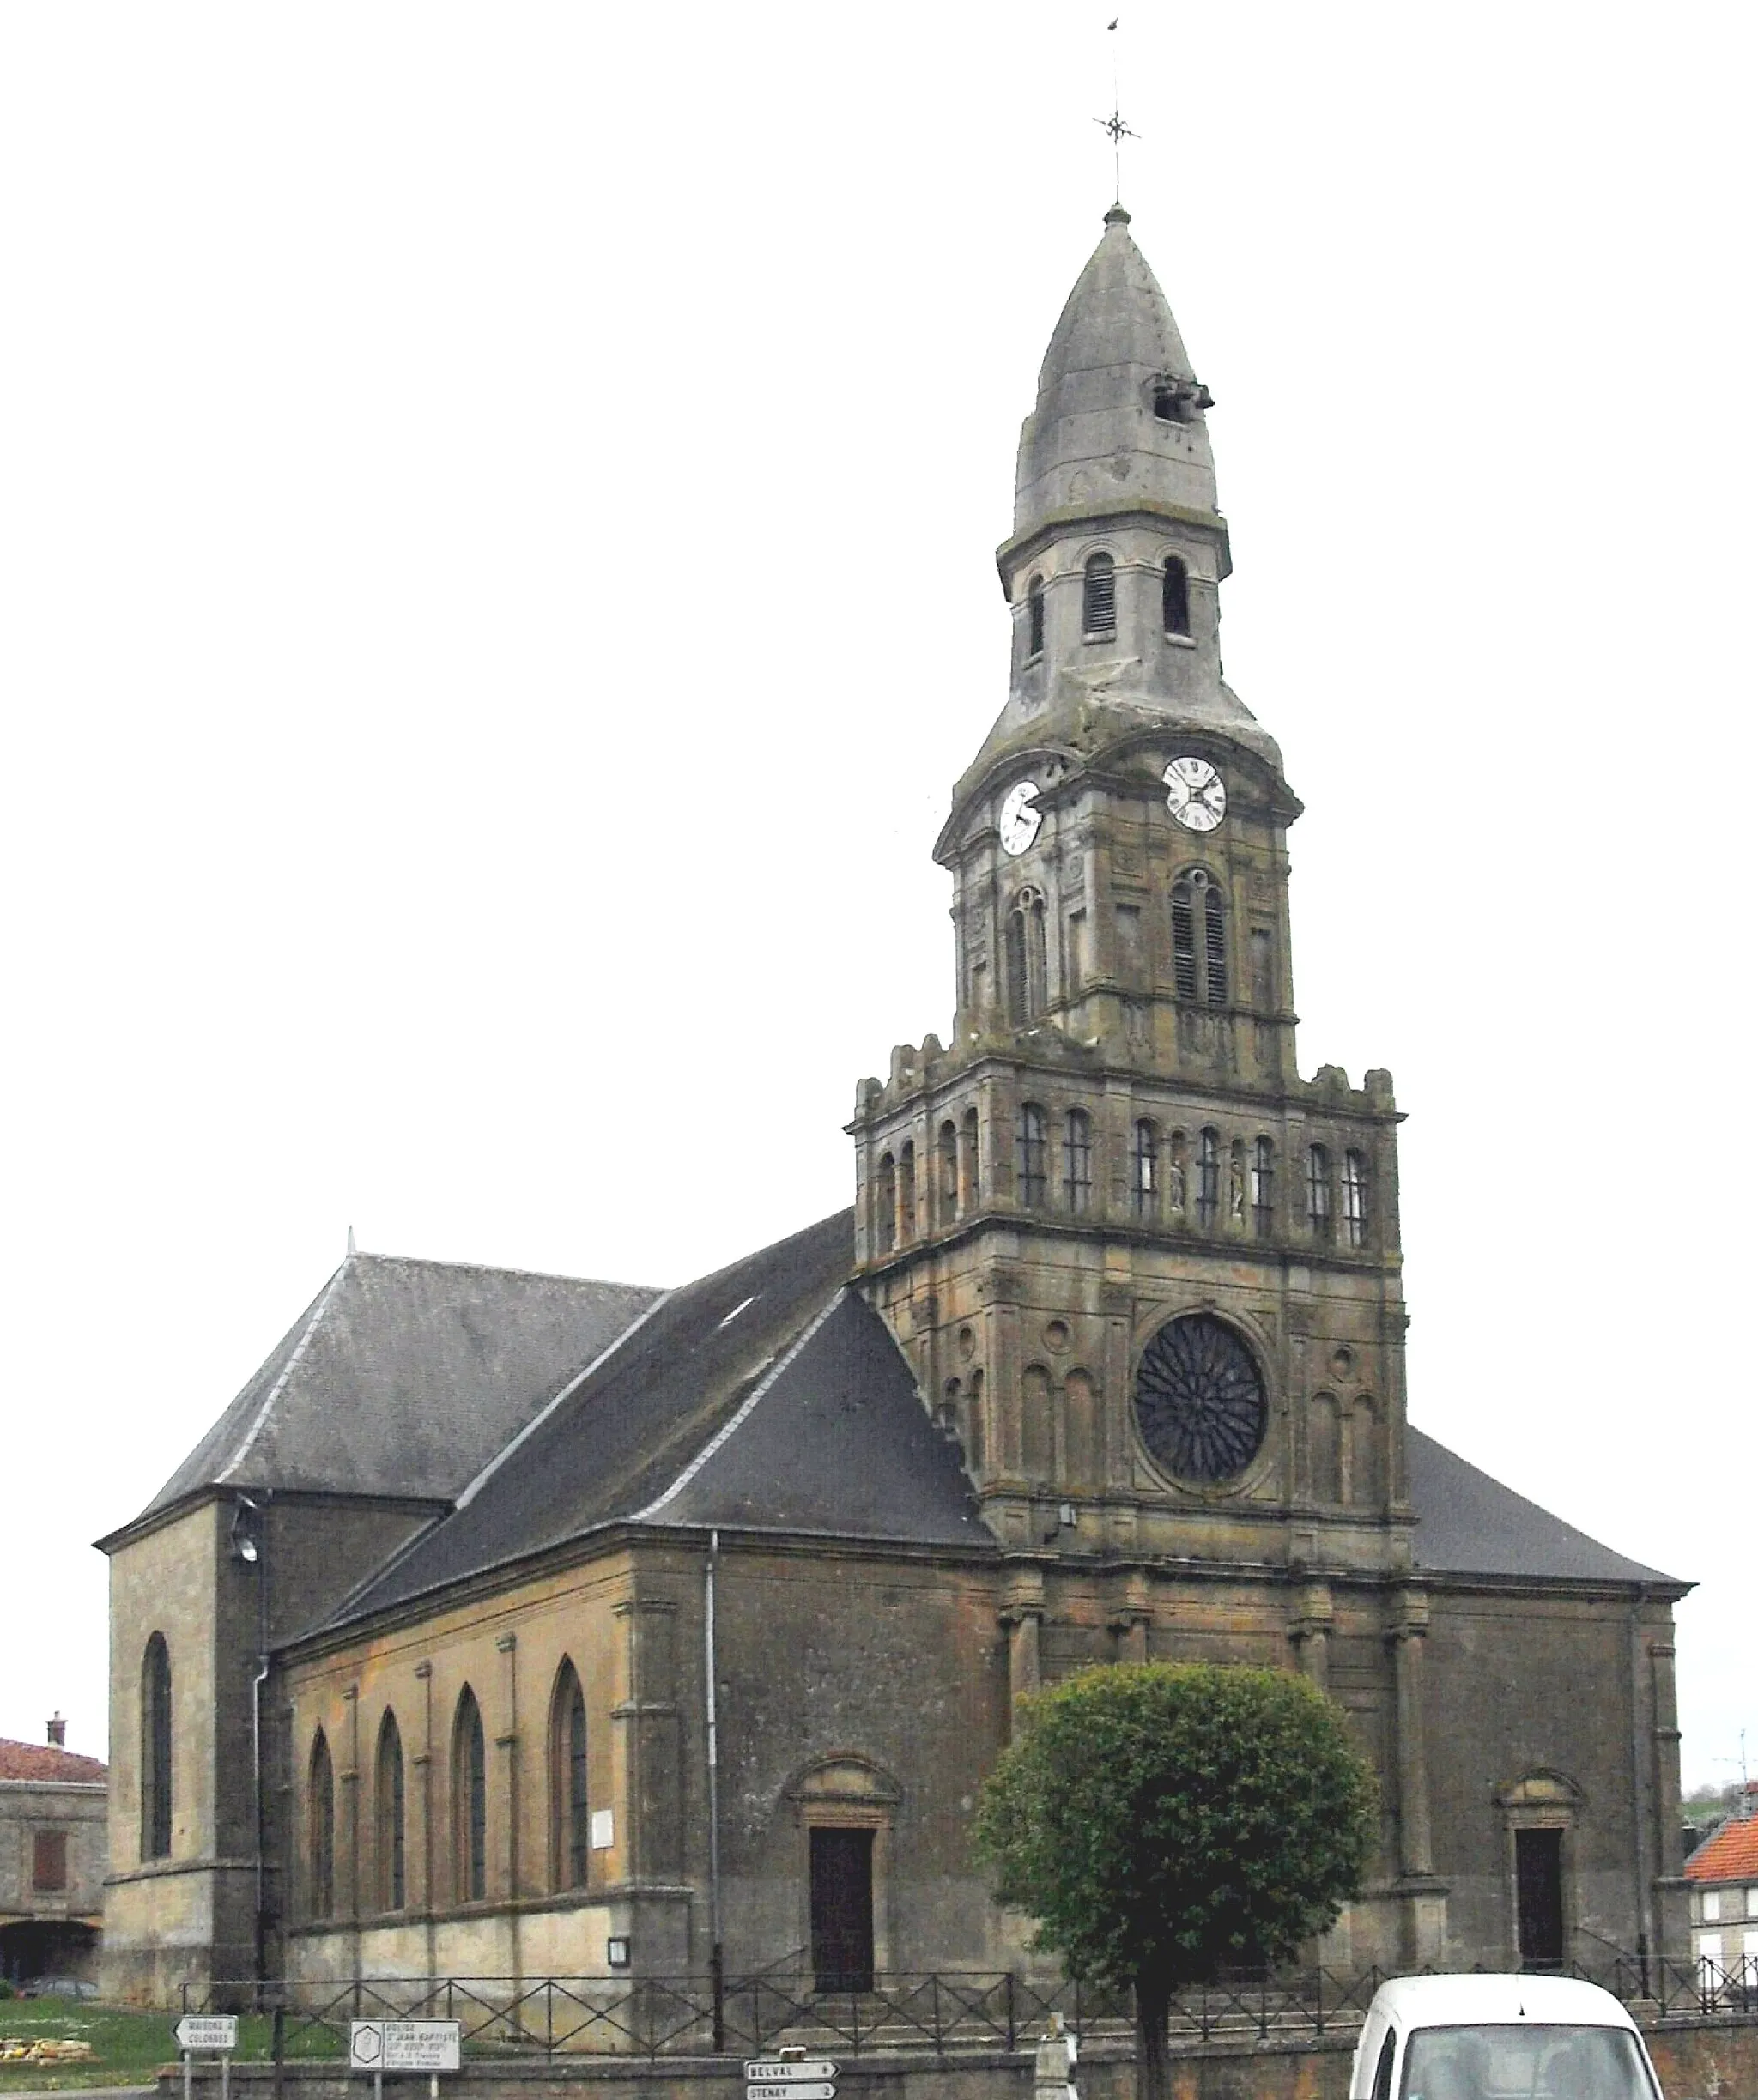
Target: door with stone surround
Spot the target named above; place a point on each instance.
(842, 1910)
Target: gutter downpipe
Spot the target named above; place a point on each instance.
(717, 1965)
(1638, 1803)
(256, 1684)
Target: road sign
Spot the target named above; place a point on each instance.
(799, 2089)
(207, 2030)
(783, 2070)
(403, 2045)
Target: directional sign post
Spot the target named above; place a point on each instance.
(379, 2046)
(772, 2078)
(210, 2033)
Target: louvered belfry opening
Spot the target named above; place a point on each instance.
(1184, 940)
(1215, 929)
(1198, 940)
(1098, 601)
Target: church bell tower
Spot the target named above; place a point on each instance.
(1146, 1273)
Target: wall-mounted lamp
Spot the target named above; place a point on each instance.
(247, 1531)
(616, 1954)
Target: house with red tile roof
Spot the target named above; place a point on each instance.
(54, 1852)
(1723, 1877)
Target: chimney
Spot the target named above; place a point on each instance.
(58, 1732)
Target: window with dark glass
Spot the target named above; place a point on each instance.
(1035, 617)
(906, 1189)
(1354, 1199)
(1263, 1187)
(571, 1844)
(1144, 1170)
(968, 1161)
(389, 1815)
(947, 1153)
(155, 1751)
(1175, 597)
(321, 1832)
(1077, 1162)
(1098, 596)
(1319, 1191)
(49, 1861)
(1208, 1177)
(470, 1803)
(1033, 1180)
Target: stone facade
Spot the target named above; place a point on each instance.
(52, 1859)
(703, 1654)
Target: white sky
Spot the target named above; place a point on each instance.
(496, 526)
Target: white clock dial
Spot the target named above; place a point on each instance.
(1194, 793)
(1021, 817)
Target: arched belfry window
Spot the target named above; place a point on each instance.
(155, 1751)
(1355, 1200)
(1035, 617)
(1175, 597)
(1319, 1191)
(320, 1829)
(969, 1162)
(1208, 1178)
(885, 1202)
(1144, 1170)
(1027, 950)
(469, 1801)
(1098, 596)
(388, 1818)
(1263, 1187)
(906, 1189)
(1198, 940)
(569, 1819)
(1033, 1180)
(1077, 1163)
(949, 1171)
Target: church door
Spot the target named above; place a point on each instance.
(842, 1910)
(1538, 1878)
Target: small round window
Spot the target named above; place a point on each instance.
(1200, 1402)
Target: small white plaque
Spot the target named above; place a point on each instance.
(207, 2030)
(779, 2070)
(604, 1829)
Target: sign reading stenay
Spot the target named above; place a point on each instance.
(403, 2045)
(207, 2030)
(783, 2070)
(799, 2089)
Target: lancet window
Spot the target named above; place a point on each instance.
(1035, 617)
(1175, 597)
(1319, 1191)
(1355, 1200)
(569, 1821)
(387, 1816)
(469, 1801)
(1026, 958)
(1034, 1185)
(1098, 596)
(1263, 1187)
(320, 1829)
(1198, 940)
(1144, 1170)
(155, 1751)
(1208, 1178)
(885, 1202)
(1077, 1163)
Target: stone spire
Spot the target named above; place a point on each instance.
(1119, 411)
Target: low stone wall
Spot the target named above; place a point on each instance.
(1713, 2058)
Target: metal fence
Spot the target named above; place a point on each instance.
(943, 2012)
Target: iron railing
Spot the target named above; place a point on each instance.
(941, 2011)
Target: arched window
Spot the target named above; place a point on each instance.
(1035, 617)
(155, 1751)
(885, 1203)
(387, 1816)
(969, 1162)
(1144, 1170)
(1033, 1180)
(1026, 958)
(469, 1801)
(1263, 1187)
(320, 1829)
(1319, 1191)
(1354, 1199)
(1175, 597)
(1098, 596)
(974, 1415)
(1077, 1163)
(1198, 940)
(569, 1819)
(1208, 1178)
(949, 1170)
(906, 1189)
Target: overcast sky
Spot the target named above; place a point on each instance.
(497, 512)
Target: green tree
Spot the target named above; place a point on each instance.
(1163, 1822)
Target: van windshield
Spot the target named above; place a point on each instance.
(1526, 2062)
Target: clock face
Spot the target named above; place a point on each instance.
(1021, 817)
(1194, 793)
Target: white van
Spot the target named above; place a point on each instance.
(1513, 2037)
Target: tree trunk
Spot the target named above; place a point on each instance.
(1153, 2009)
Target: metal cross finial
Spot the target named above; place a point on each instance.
(1114, 125)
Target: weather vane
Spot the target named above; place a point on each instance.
(1114, 125)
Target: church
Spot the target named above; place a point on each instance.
(517, 1625)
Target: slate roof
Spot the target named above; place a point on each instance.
(403, 1378)
(48, 1763)
(765, 1395)
(1471, 1524)
(1730, 1855)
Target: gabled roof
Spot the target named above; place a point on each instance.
(764, 1396)
(1471, 1524)
(49, 1763)
(403, 1378)
(1730, 1855)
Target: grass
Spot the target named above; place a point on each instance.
(128, 2047)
